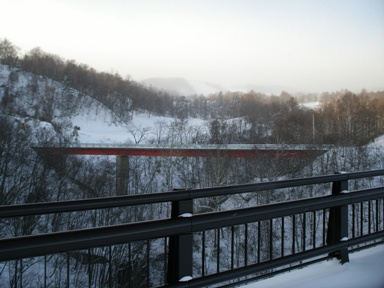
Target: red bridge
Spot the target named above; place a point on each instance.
(122, 153)
(209, 150)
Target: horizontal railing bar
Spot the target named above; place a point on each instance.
(36, 245)
(246, 215)
(365, 174)
(90, 204)
(57, 242)
(366, 238)
(142, 199)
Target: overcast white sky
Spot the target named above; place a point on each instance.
(308, 45)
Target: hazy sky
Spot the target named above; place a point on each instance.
(308, 45)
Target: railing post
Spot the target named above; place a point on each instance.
(180, 247)
(338, 223)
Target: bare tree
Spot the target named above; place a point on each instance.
(8, 53)
(139, 133)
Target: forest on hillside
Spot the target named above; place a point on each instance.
(343, 118)
(41, 89)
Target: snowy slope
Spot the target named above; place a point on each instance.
(69, 111)
(94, 128)
(378, 142)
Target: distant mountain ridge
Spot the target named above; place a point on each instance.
(185, 87)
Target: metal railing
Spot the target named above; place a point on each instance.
(190, 249)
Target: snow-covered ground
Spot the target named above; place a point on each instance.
(365, 269)
(100, 129)
(378, 142)
(312, 105)
(95, 129)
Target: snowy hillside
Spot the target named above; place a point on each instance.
(94, 129)
(29, 98)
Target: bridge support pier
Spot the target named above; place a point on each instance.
(122, 175)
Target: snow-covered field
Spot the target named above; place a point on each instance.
(97, 130)
(365, 269)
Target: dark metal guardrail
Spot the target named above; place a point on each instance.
(207, 249)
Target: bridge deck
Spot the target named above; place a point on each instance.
(229, 150)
